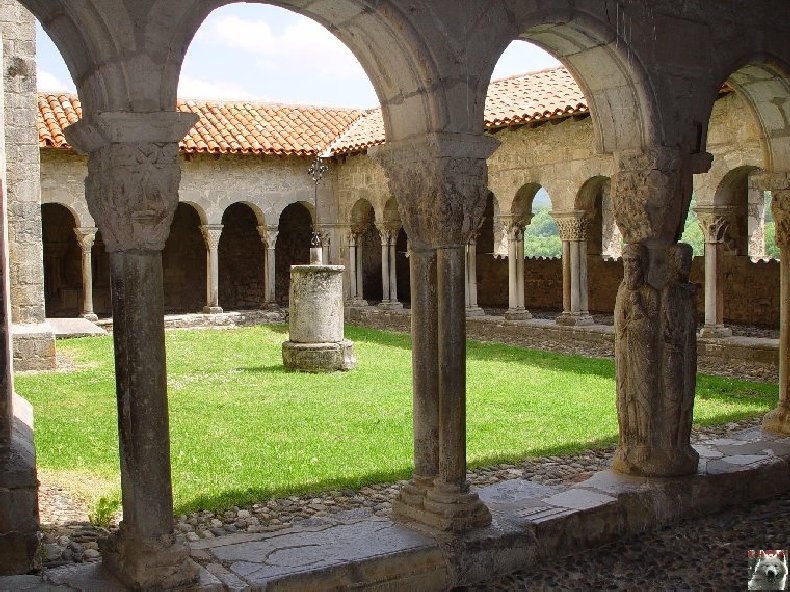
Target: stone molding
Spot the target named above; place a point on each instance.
(133, 174)
(573, 225)
(211, 235)
(85, 237)
(441, 184)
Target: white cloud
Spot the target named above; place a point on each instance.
(305, 44)
(195, 88)
(47, 81)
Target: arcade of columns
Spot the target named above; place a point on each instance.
(435, 162)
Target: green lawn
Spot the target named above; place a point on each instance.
(244, 429)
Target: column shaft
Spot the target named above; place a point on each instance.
(566, 276)
(271, 275)
(512, 275)
(472, 259)
(385, 269)
(521, 302)
(574, 248)
(584, 294)
(393, 274)
(711, 283)
(452, 367)
(360, 275)
(212, 279)
(141, 387)
(352, 270)
(87, 283)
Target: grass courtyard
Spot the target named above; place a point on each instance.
(244, 429)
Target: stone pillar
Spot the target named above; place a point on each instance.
(359, 298)
(440, 184)
(515, 234)
(472, 308)
(714, 222)
(211, 235)
(573, 227)
(655, 313)
(132, 193)
(352, 267)
(268, 236)
(394, 271)
(612, 238)
(385, 234)
(85, 238)
(778, 420)
(33, 339)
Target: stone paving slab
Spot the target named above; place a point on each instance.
(74, 327)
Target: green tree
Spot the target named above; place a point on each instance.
(771, 249)
(541, 236)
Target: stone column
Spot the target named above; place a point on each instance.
(394, 271)
(352, 267)
(472, 308)
(655, 313)
(211, 235)
(573, 227)
(714, 222)
(778, 420)
(385, 234)
(359, 298)
(85, 238)
(132, 193)
(515, 234)
(268, 236)
(440, 184)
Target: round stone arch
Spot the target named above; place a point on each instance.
(620, 96)
(363, 222)
(241, 257)
(184, 261)
(764, 83)
(62, 260)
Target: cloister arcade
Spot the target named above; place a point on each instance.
(651, 101)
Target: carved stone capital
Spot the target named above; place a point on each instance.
(268, 235)
(780, 208)
(651, 191)
(715, 221)
(573, 225)
(440, 182)
(133, 174)
(514, 226)
(211, 235)
(85, 237)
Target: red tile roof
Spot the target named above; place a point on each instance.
(223, 126)
(259, 128)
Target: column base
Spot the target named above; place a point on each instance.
(270, 306)
(19, 525)
(91, 316)
(34, 347)
(475, 311)
(647, 461)
(212, 309)
(777, 421)
(570, 319)
(518, 314)
(390, 305)
(449, 509)
(145, 564)
(715, 331)
(319, 357)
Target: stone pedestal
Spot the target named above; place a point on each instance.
(315, 322)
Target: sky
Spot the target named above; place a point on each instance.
(264, 53)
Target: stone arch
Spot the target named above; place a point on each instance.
(241, 258)
(184, 262)
(522, 202)
(602, 61)
(62, 261)
(732, 196)
(391, 212)
(764, 83)
(199, 210)
(293, 245)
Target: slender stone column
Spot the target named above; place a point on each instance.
(211, 235)
(573, 227)
(714, 222)
(393, 273)
(132, 193)
(778, 420)
(655, 314)
(472, 309)
(515, 235)
(359, 299)
(440, 184)
(85, 238)
(352, 267)
(268, 236)
(385, 234)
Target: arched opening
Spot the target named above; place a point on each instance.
(402, 266)
(241, 259)
(292, 247)
(492, 248)
(184, 263)
(102, 291)
(62, 262)
(363, 222)
(541, 235)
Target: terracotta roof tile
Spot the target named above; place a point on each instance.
(224, 126)
(259, 128)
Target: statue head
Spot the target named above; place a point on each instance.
(634, 266)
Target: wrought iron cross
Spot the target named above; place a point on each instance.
(316, 171)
